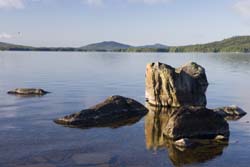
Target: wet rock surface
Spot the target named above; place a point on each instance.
(183, 86)
(28, 91)
(115, 111)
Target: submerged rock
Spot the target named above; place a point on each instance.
(28, 91)
(113, 112)
(195, 122)
(231, 112)
(184, 86)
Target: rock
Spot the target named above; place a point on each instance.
(184, 86)
(201, 150)
(185, 142)
(231, 112)
(220, 137)
(195, 122)
(28, 91)
(114, 111)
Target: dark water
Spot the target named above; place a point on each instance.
(28, 136)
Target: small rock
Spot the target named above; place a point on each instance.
(220, 137)
(28, 91)
(185, 142)
(231, 112)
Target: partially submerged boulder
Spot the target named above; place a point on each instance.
(195, 122)
(231, 112)
(188, 123)
(113, 111)
(28, 91)
(183, 86)
(183, 151)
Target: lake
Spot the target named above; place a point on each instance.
(29, 137)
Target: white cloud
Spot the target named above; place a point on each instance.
(243, 8)
(5, 36)
(16, 4)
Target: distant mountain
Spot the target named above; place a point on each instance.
(234, 44)
(105, 46)
(8, 46)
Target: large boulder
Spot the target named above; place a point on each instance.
(113, 112)
(183, 86)
(195, 122)
(28, 91)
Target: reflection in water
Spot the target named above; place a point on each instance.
(198, 154)
(26, 95)
(125, 122)
(204, 150)
(81, 79)
(155, 121)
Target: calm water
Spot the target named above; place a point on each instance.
(28, 136)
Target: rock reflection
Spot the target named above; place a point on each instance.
(204, 150)
(26, 96)
(155, 121)
(198, 154)
(113, 125)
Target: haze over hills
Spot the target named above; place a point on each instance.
(233, 44)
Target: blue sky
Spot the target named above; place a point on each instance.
(135, 22)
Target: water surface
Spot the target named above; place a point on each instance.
(28, 136)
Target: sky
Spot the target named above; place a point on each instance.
(76, 23)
